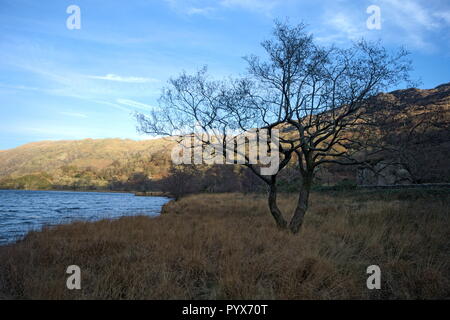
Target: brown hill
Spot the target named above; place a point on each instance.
(82, 163)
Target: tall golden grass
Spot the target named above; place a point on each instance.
(225, 246)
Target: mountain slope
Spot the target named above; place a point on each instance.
(83, 163)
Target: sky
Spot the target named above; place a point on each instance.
(60, 83)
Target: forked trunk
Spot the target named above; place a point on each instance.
(274, 210)
(301, 208)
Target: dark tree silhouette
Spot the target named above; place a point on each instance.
(317, 96)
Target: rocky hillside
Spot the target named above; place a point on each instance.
(416, 123)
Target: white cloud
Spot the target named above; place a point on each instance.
(206, 11)
(135, 104)
(18, 87)
(346, 25)
(444, 15)
(74, 114)
(414, 23)
(409, 13)
(265, 6)
(49, 131)
(114, 105)
(114, 77)
(198, 7)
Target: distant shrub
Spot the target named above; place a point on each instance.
(346, 184)
(28, 182)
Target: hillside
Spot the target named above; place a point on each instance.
(83, 164)
(117, 164)
(416, 123)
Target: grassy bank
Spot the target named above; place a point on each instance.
(223, 246)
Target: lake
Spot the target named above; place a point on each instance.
(22, 211)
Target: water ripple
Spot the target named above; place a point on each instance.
(22, 211)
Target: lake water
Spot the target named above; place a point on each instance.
(22, 211)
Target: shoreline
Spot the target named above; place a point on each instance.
(136, 193)
(152, 203)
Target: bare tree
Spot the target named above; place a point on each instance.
(317, 96)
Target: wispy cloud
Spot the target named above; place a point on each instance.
(206, 8)
(417, 23)
(135, 104)
(263, 6)
(114, 77)
(114, 105)
(19, 87)
(445, 16)
(50, 131)
(74, 114)
(410, 13)
(206, 11)
(346, 26)
(417, 20)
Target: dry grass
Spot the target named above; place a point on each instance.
(225, 246)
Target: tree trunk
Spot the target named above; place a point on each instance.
(274, 210)
(302, 206)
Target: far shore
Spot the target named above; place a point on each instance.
(136, 193)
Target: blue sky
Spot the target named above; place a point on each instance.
(59, 84)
